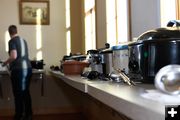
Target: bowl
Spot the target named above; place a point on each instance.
(74, 67)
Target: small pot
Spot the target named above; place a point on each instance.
(37, 64)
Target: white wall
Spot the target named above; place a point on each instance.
(145, 15)
(53, 35)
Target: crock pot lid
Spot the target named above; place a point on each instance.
(120, 47)
(160, 33)
(106, 51)
(92, 51)
(78, 56)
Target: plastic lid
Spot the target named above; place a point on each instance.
(106, 51)
(120, 47)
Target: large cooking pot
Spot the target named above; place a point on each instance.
(153, 50)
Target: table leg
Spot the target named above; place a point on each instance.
(1, 91)
(42, 84)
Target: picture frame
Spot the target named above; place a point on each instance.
(34, 12)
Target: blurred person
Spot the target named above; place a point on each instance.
(20, 74)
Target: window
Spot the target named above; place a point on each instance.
(68, 32)
(168, 11)
(90, 32)
(117, 20)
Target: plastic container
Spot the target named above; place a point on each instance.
(120, 57)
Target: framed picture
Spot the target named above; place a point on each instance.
(34, 12)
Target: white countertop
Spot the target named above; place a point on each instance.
(122, 97)
(76, 81)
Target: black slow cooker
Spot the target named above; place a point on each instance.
(153, 50)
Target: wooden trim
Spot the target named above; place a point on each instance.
(129, 21)
(177, 9)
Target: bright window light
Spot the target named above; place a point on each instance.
(90, 33)
(67, 13)
(122, 21)
(111, 21)
(39, 35)
(68, 41)
(168, 11)
(7, 38)
(38, 30)
(117, 20)
(88, 5)
(39, 55)
(68, 27)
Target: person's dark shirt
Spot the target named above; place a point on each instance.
(22, 61)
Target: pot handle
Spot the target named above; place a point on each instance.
(171, 23)
(125, 77)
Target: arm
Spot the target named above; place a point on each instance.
(12, 57)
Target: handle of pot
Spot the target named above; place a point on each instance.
(125, 77)
(171, 23)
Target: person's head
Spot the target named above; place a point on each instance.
(12, 30)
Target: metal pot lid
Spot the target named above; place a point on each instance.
(161, 33)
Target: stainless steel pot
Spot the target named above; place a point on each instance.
(106, 61)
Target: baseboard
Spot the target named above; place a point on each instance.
(41, 111)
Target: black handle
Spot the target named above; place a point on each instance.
(171, 23)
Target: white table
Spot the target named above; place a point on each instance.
(40, 72)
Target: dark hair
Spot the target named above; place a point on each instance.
(12, 29)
